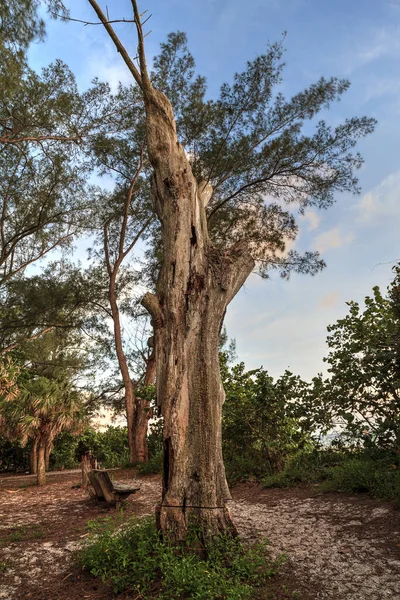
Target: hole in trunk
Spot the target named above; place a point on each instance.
(193, 239)
(168, 463)
(173, 273)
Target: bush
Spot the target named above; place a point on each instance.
(13, 457)
(380, 478)
(261, 428)
(153, 467)
(377, 473)
(64, 452)
(135, 558)
(305, 467)
(110, 447)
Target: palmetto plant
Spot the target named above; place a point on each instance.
(39, 412)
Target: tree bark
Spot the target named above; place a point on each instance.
(143, 413)
(41, 462)
(88, 463)
(33, 457)
(196, 283)
(48, 451)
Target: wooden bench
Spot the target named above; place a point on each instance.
(110, 491)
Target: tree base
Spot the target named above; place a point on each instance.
(195, 526)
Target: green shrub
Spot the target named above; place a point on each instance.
(377, 473)
(380, 478)
(134, 557)
(110, 447)
(153, 467)
(13, 457)
(261, 425)
(305, 467)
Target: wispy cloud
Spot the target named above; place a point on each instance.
(312, 220)
(383, 200)
(380, 87)
(333, 238)
(375, 45)
(110, 68)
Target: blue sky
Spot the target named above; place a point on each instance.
(281, 324)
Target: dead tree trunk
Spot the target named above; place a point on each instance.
(196, 283)
(88, 463)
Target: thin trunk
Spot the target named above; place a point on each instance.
(130, 399)
(41, 462)
(48, 451)
(143, 413)
(33, 457)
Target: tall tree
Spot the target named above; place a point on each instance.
(250, 148)
(123, 217)
(44, 121)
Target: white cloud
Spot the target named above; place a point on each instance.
(110, 68)
(332, 239)
(312, 220)
(385, 42)
(382, 200)
(376, 44)
(380, 87)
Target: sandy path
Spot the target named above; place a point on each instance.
(339, 547)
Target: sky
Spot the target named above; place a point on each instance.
(282, 324)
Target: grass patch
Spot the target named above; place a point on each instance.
(133, 557)
(18, 534)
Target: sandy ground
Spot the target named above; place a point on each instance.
(339, 547)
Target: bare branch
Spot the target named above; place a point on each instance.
(92, 22)
(117, 42)
(106, 248)
(40, 138)
(128, 200)
(142, 55)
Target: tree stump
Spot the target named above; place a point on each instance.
(88, 462)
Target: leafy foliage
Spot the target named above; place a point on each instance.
(135, 558)
(249, 144)
(362, 393)
(47, 400)
(261, 425)
(362, 471)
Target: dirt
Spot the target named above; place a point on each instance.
(338, 546)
